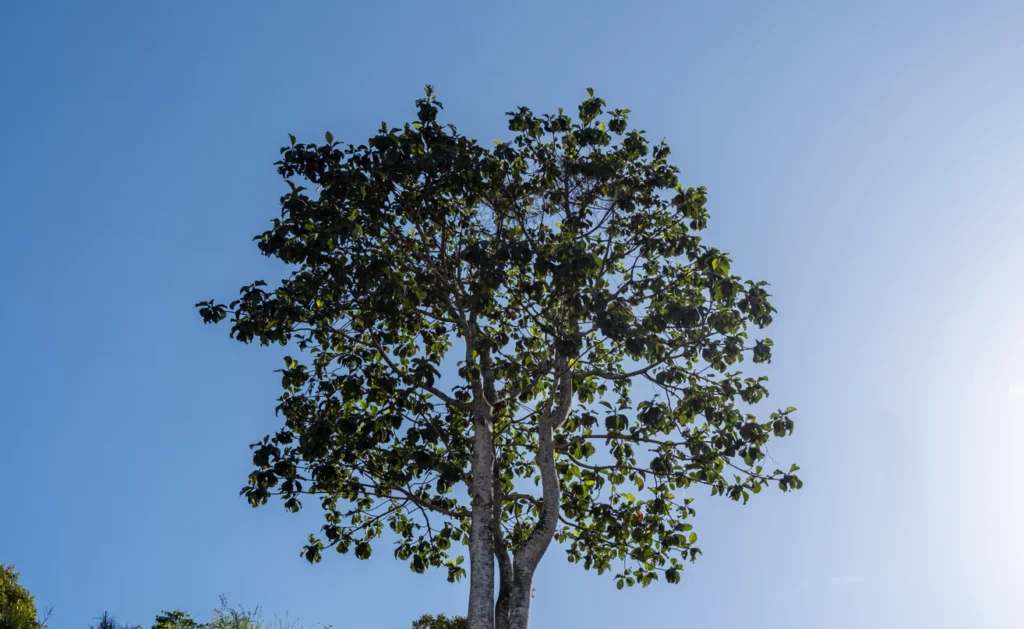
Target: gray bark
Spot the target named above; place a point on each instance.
(527, 558)
(481, 536)
(502, 607)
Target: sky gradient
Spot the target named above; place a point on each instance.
(867, 161)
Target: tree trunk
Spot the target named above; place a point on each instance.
(533, 550)
(502, 608)
(481, 536)
(522, 592)
(529, 556)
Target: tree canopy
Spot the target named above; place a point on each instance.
(503, 346)
(440, 622)
(224, 617)
(17, 605)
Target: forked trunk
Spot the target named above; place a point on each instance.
(528, 557)
(533, 550)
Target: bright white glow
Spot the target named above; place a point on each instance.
(1015, 390)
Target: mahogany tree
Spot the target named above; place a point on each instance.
(505, 346)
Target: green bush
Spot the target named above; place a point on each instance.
(441, 622)
(18, 611)
(17, 605)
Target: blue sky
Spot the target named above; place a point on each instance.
(865, 159)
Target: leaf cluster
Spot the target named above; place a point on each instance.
(431, 274)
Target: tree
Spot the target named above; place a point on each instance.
(472, 326)
(227, 617)
(17, 605)
(440, 622)
(176, 619)
(224, 617)
(109, 621)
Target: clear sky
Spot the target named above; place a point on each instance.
(868, 161)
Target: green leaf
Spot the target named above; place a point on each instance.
(363, 550)
(565, 255)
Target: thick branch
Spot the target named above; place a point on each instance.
(555, 413)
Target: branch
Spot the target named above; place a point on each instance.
(487, 373)
(627, 437)
(460, 514)
(405, 378)
(507, 394)
(514, 496)
(603, 468)
(611, 375)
